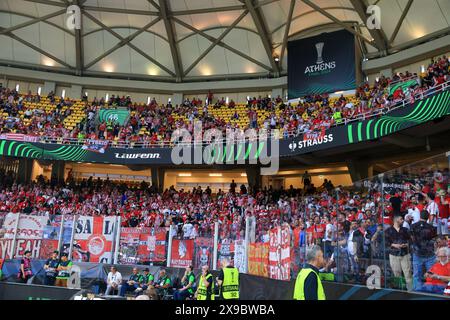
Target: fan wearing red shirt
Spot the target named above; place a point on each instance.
(438, 276)
(443, 202)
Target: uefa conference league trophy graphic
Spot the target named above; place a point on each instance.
(319, 48)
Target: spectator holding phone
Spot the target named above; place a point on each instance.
(438, 276)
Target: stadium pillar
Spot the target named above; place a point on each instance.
(277, 92)
(359, 169)
(177, 98)
(49, 87)
(253, 177)
(388, 73)
(25, 169)
(158, 178)
(58, 171)
(76, 92)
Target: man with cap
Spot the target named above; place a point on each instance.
(64, 267)
(50, 269)
(148, 280)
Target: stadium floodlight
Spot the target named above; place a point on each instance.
(227, 100)
(107, 97)
(17, 87)
(169, 100)
(39, 91)
(148, 100)
(276, 58)
(422, 69)
(63, 94)
(215, 174)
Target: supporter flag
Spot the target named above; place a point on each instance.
(203, 248)
(182, 253)
(279, 253)
(152, 246)
(240, 256)
(258, 259)
(128, 245)
(93, 239)
(7, 235)
(225, 249)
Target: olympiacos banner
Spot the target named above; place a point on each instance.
(279, 253)
(225, 249)
(240, 256)
(93, 240)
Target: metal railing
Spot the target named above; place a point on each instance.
(271, 134)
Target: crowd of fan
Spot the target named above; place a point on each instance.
(405, 225)
(312, 115)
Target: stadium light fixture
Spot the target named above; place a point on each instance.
(227, 99)
(215, 174)
(17, 87)
(63, 94)
(86, 94)
(243, 174)
(107, 97)
(276, 58)
(39, 91)
(422, 69)
(148, 100)
(169, 100)
(185, 174)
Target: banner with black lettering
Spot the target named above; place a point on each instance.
(321, 64)
(93, 239)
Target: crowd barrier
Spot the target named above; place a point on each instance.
(93, 277)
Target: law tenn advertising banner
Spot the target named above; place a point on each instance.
(203, 252)
(279, 254)
(182, 253)
(93, 239)
(258, 259)
(320, 64)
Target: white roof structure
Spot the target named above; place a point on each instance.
(189, 40)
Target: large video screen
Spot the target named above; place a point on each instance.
(324, 63)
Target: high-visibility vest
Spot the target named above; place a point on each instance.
(337, 116)
(299, 290)
(230, 284)
(202, 292)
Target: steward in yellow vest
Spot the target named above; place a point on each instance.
(308, 285)
(228, 281)
(205, 289)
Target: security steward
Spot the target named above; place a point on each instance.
(308, 285)
(228, 281)
(205, 288)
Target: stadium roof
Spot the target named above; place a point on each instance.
(186, 40)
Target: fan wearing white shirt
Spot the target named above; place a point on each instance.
(114, 281)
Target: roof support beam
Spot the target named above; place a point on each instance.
(207, 10)
(49, 2)
(122, 11)
(378, 36)
(263, 3)
(400, 22)
(223, 35)
(222, 44)
(36, 20)
(79, 52)
(286, 30)
(153, 3)
(118, 36)
(170, 28)
(122, 43)
(32, 46)
(263, 33)
(336, 20)
(33, 17)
